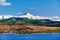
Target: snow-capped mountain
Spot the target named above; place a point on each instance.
(30, 16)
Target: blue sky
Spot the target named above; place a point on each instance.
(35, 7)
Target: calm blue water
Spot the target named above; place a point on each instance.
(30, 37)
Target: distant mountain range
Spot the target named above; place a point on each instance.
(27, 21)
(30, 16)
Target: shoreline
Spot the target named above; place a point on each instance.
(31, 33)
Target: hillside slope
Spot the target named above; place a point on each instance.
(26, 21)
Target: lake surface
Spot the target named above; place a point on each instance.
(29, 36)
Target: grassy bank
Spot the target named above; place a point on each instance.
(23, 29)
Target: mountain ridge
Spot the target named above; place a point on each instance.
(26, 21)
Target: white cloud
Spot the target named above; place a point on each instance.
(5, 16)
(0, 17)
(4, 3)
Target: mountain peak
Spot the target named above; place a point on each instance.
(27, 15)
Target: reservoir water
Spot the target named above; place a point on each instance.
(29, 36)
